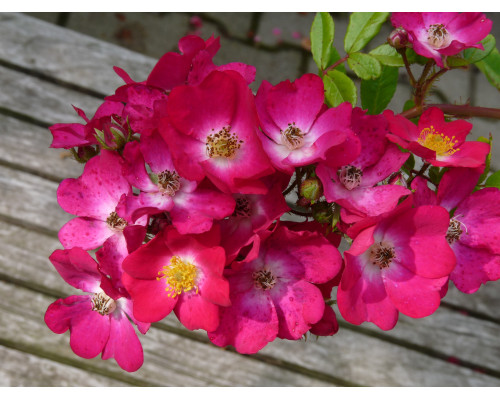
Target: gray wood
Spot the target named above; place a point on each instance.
(485, 301)
(349, 355)
(170, 360)
(31, 199)
(67, 55)
(42, 100)
(24, 369)
(27, 146)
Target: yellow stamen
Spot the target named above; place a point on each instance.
(442, 145)
(180, 276)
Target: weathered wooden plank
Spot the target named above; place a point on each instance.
(23, 369)
(170, 360)
(27, 146)
(67, 55)
(31, 199)
(348, 354)
(42, 100)
(485, 301)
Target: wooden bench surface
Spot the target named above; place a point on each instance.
(43, 70)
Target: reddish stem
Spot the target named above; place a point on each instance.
(456, 110)
(336, 64)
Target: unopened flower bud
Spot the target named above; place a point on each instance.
(398, 38)
(311, 189)
(322, 212)
(303, 202)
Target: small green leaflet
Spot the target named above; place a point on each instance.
(493, 180)
(488, 158)
(339, 88)
(363, 26)
(364, 65)
(387, 55)
(474, 55)
(490, 67)
(322, 35)
(376, 94)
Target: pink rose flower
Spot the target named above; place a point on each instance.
(99, 321)
(177, 272)
(96, 197)
(253, 214)
(438, 34)
(191, 207)
(355, 186)
(398, 262)
(108, 117)
(298, 129)
(273, 292)
(211, 131)
(438, 142)
(474, 229)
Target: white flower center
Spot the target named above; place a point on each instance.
(437, 36)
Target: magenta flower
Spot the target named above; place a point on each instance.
(108, 117)
(398, 262)
(193, 64)
(177, 272)
(438, 142)
(437, 34)
(98, 322)
(144, 105)
(474, 228)
(211, 131)
(353, 186)
(273, 292)
(253, 213)
(298, 129)
(191, 207)
(95, 197)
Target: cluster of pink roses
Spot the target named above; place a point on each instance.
(182, 195)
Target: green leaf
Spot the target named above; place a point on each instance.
(387, 55)
(490, 67)
(436, 173)
(488, 158)
(474, 55)
(456, 61)
(364, 65)
(339, 88)
(335, 56)
(409, 164)
(363, 26)
(414, 58)
(376, 94)
(493, 180)
(322, 34)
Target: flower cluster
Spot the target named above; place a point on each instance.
(187, 177)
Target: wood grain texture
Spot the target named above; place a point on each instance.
(170, 360)
(67, 55)
(24, 369)
(42, 100)
(26, 146)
